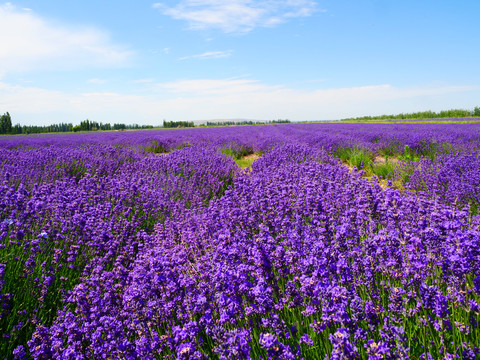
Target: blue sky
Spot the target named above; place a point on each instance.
(145, 61)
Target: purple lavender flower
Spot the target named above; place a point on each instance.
(342, 347)
(306, 339)
(163, 247)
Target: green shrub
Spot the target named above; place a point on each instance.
(391, 150)
(409, 154)
(354, 156)
(236, 152)
(386, 170)
(156, 148)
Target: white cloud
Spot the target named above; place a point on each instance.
(29, 42)
(97, 81)
(209, 55)
(213, 87)
(237, 16)
(227, 98)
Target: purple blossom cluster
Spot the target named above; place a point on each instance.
(452, 179)
(421, 138)
(81, 213)
(155, 245)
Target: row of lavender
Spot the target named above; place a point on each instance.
(299, 258)
(421, 138)
(68, 212)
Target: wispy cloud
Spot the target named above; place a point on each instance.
(209, 55)
(30, 42)
(97, 81)
(237, 16)
(227, 98)
(216, 87)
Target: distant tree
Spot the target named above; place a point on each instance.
(280, 121)
(175, 124)
(453, 113)
(17, 129)
(5, 124)
(119, 126)
(85, 125)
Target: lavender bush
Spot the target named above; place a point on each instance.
(155, 245)
(451, 179)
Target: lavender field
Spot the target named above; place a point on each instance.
(340, 241)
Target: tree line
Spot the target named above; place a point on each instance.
(453, 113)
(6, 127)
(86, 125)
(246, 122)
(183, 124)
(177, 124)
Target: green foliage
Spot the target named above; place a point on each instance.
(119, 127)
(246, 162)
(35, 129)
(444, 114)
(182, 145)
(408, 154)
(178, 124)
(279, 121)
(357, 157)
(343, 153)
(34, 297)
(391, 150)
(86, 125)
(5, 124)
(426, 149)
(229, 152)
(432, 149)
(246, 122)
(237, 152)
(406, 171)
(386, 170)
(74, 169)
(156, 148)
(474, 208)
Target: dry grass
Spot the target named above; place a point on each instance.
(396, 184)
(245, 162)
(383, 160)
